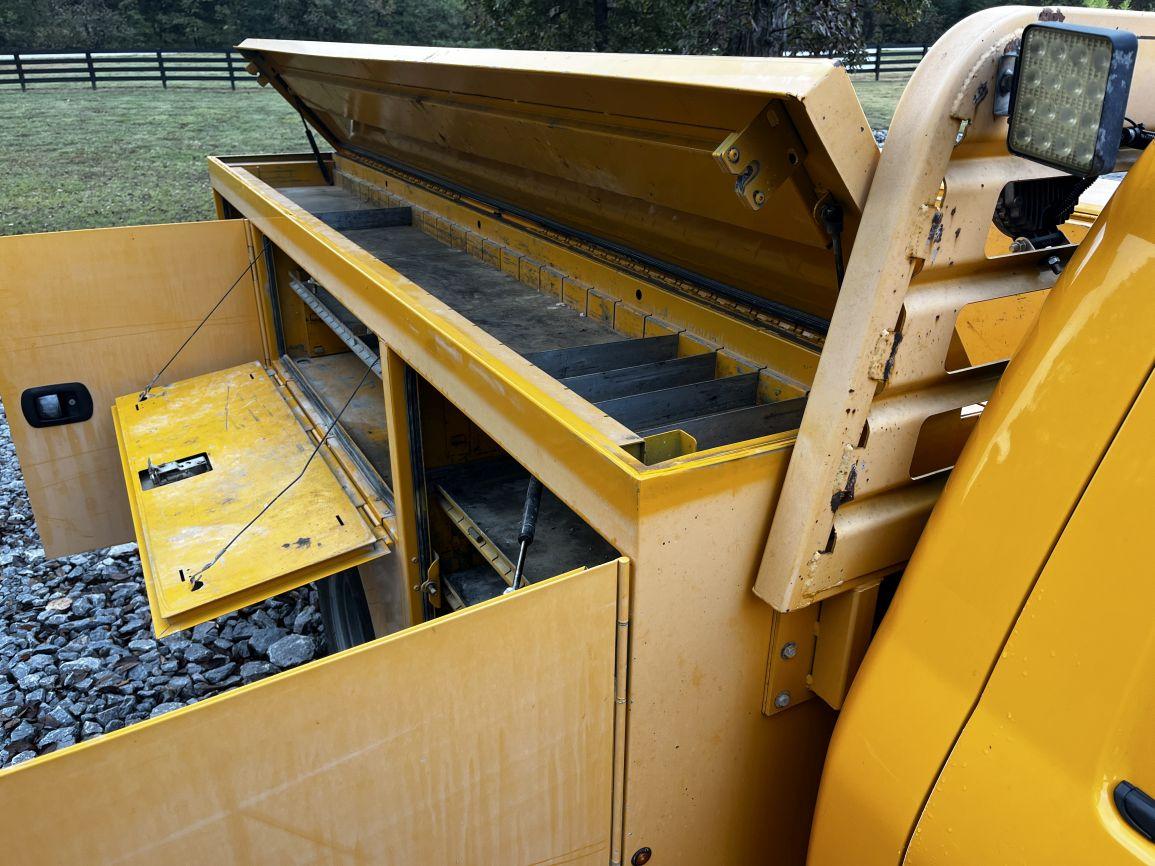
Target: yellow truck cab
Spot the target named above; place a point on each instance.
(685, 481)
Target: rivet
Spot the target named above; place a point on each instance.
(789, 650)
(641, 857)
(782, 700)
(733, 155)
(759, 197)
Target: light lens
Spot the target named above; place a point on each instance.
(1071, 82)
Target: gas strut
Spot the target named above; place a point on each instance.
(528, 526)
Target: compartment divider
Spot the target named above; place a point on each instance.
(599, 358)
(374, 218)
(738, 425)
(628, 381)
(645, 411)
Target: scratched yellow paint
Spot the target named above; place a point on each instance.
(256, 447)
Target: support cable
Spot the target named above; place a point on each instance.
(252, 262)
(195, 581)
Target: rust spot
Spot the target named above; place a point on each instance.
(935, 227)
(981, 93)
(847, 493)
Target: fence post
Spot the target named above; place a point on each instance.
(232, 74)
(91, 69)
(160, 67)
(877, 61)
(20, 71)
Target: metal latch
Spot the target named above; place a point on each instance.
(174, 470)
(762, 156)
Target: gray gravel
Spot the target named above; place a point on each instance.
(77, 655)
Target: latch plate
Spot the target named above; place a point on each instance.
(762, 156)
(158, 475)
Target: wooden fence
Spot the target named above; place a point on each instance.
(884, 59)
(889, 58)
(93, 68)
(26, 69)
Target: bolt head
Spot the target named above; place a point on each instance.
(733, 155)
(789, 650)
(782, 700)
(641, 857)
(759, 197)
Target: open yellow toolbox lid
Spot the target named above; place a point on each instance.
(710, 168)
(221, 516)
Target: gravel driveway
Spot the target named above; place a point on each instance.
(77, 655)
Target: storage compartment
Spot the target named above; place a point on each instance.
(475, 492)
(650, 384)
(484, 501)
(471, 503)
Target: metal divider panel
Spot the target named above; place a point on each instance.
(684, 402)
(627, 381)
(601, 357)
(738, 425)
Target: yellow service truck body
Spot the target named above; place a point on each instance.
(740, 349)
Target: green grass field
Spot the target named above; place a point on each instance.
(878, 98)
(83, 159)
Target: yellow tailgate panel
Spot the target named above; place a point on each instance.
(253, 447)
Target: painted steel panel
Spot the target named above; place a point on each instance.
(486, 736)
(1033, 451)
(269, 513)
(1066, 714)
(108, 307)
(617, 146)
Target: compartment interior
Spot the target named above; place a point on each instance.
(651, 385)
(473, 491)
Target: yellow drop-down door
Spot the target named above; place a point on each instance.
(225, 462)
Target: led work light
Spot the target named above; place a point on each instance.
(1070, 95)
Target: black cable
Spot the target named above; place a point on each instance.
(832, 221)
(1136, 136)
(195, 582)
(236, 282)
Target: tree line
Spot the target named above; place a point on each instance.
(746, 27)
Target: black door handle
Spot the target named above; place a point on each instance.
(52, 405)
(1137, 809)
